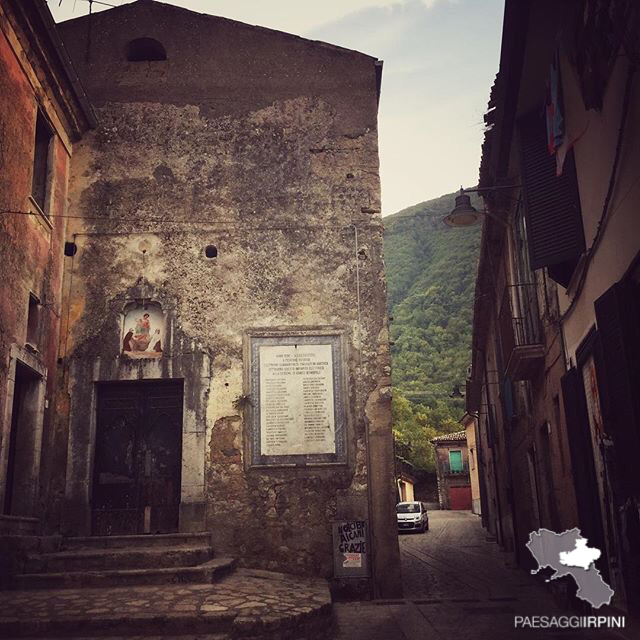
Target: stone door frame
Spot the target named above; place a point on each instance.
(82, 441)
(31, 362)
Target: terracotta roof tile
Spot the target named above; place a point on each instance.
(458, 436)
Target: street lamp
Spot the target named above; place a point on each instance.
(456, 393)
(464, 214)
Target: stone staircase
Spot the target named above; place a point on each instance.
(116, 561)
(156, 586)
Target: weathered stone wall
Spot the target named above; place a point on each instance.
(265, 146)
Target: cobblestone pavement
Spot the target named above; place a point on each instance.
(244, 601)
(457, 585)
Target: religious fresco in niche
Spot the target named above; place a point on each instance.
(143, 331)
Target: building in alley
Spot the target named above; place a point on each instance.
(452, 469)
(470, 424)
(43, 113)
(405, 479)
(223, 351)
(556, 341)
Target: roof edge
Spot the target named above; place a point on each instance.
(127, 7)
(65, 61)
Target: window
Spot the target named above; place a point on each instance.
(455, 461)
(408, 507)
(524, 398)
(40, 177)
(33, 322)
(145, 49)
(553, 215)
(533, 482)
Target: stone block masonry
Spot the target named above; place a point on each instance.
(230, 191)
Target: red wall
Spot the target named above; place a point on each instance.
(31, 250)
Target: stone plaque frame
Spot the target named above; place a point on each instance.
(291, 337)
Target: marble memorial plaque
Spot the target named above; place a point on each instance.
(297, 408)
(296, 400)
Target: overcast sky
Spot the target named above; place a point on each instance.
(440, 59)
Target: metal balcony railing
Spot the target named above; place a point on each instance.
(520, 317)
(521, 333)
(448, 471)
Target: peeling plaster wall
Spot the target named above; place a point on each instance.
(264, 145)
(31, 253)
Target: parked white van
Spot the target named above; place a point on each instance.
(412, 516)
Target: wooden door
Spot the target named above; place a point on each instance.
(138, 456)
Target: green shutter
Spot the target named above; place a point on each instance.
(455, 461)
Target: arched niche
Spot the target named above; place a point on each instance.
(143, 330)
(145, 49)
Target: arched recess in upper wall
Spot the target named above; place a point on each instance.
(145, 49)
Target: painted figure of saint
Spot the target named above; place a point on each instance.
(141, 334)
(126, 343)
(157, 346)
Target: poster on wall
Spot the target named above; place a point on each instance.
(297, 400)
(350, 550)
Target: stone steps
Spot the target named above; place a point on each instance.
(167, 586)
(114, 561)
(99, 559)
(127, 542)
(206, 573)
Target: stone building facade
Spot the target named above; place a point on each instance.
(224, 342)
(43, 112)
(470, 423)
(452, 469)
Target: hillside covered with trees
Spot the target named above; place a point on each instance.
(431, 272)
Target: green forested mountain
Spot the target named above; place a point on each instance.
(431, 272)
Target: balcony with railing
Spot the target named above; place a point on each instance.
(521, 331)
(454, 470)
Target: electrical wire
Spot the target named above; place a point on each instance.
(104, 4)
(231, 224)
(606, 212)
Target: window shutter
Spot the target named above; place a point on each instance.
(40, 173)
(582, 463)
(473, 395)
(554, 219)
(618, 318)
(507, 399)
(619, 329)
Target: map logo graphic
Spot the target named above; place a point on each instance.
(568, 555)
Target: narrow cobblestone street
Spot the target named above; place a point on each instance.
(457, 584)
